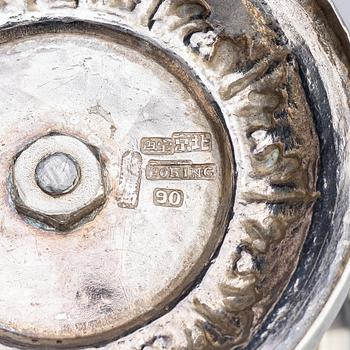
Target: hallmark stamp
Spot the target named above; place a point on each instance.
(192, 142)
(34, 5)
(180, 142)
(157, 146)
(165, 197)
(179, 170)
(121, 4)
(130, 180)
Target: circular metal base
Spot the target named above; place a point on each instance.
(168, 196)
(209, 138)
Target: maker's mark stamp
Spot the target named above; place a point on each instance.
(130, 180)
(157, 146)
(179, 142)
(165, 197)
(192, 142)
(180, 170)
(34, 5)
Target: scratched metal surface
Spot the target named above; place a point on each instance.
(219, 133)
(125, 264)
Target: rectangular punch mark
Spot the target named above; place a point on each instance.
(130, 180)
(180, 170)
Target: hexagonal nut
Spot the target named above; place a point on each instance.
(58, 181)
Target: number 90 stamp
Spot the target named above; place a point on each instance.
(165, 197)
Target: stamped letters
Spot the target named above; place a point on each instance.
(180, 142)
(180, 170)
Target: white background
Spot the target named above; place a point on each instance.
(338, 337)
(344, 10)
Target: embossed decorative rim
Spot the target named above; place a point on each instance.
(140, 337)
(333, 268)
(339, 294)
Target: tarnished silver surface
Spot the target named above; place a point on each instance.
(143, 249)
(205, 147)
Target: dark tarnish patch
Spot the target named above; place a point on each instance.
(159, 342)
(98, 296)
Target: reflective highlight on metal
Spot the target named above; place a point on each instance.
(57, 174)
(189, 159)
